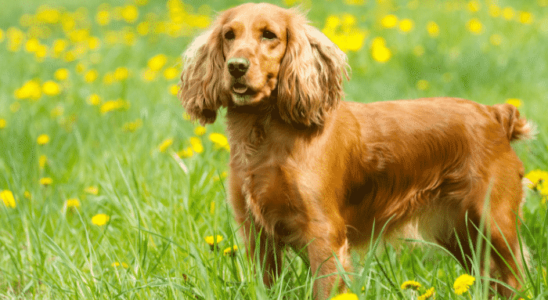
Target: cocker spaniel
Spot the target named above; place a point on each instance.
(313, 172)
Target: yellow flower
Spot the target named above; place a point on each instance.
(91, 76)
(406, 25)
(389, 21)
(187, 152)
(113, 105)
(7, 198)
(463, 283)
(230, 250)
(433, 29)
(346, 296)
(30, 89)
(423, 85)
(212, 240)
(171, 73)
(61, 74)
(121, 73)
(200, 130)
(514, 101)
(100, 219)
(186, 116)
(132, 126)
(410, 284)
(42, 139)
(429, 293)
(344, 32)
(117, 264)
(508, 13)
(130, 13)
(219, 140)
(51, 88)
(474, 6)
(3, 123)
(72, 203)
(46, 181)
(102, 17)
(494, 10)
(93, 190)
(536, 177)
(379, 51)
(156, 62)
(94, 99)
(174, 89)
(495, 39)
(196, 144)
(149, 75)
(475, 26)
(525, 17)
(143, 28)
(165, 144)
(42, 161)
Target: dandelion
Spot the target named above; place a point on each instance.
(508, 13)
(149, 75)
(102, 17)
(514, 101)
(213, 240)
(91, 76)
(428, 294)
(92, 190)
(45, 181)
(525, 17)
(165, 144)
(94, 99)
(186, 116)
(61, 74)
(196, 145)
(174, 89)
(171, 73)
(463, 283)
(121, 73)
(410, 284)
(132, 126)
(494, 10)
(7, 198)
(100, 219)
(474, 6)
(475, 26)
(379, 51)
(346, 296)
(433, 29)
(117, 264)
(200, 130)
(113, 105)
(535, 177)
(42, 139)
(72, 203)
(230, 251)
(3, 123)
(30, 90)
(130, 13)
(187, 152)
(406, 25)
(389, 21)
(219, 140)
(51, 88)
(42, 161)
(156, 62)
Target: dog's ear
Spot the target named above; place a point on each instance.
(203, 61)
(311, 74)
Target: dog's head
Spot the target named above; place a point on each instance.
(261, 52)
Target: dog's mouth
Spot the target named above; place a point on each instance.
(240, 88)
(242, 94)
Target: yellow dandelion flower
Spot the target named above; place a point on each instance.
(212, 240)
(187, 152)
(525, 17)
(406, 25)
(94, 99)
(428, 294)
(462, 283)
(94, 43)
(156, 62)
(514, 101)
(3, 123)
(42, 139)
(433, 29)
(72, 203)
(51, 88)
(410, 284)
(7, 198)
(108, 78)
(379, 51)
(474, 6)
(186, 116)
(474, 26)
(149, 75)
(494, 10)
(230, 250)
(535, 177)
(100, 219)
(143, 28)
(165, 144)
(508, 13)
(42, 161)
(92, 190)
(218, 139)
(30, 90)
(61, 74)
(91, 76)
(113, 105)
(196, 145)
(102, 17)
(117, 264)
(46, 181)
(121, 73)
(130, 13)
(212, 207)
(174, 89)
(346, 296)
(423, 85)
(389, 21)
(200, 130)
(171, 73)
(495, 39)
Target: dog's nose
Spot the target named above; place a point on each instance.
(238, 66)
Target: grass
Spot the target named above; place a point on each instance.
(161, 207)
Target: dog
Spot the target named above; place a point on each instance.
(316, 173)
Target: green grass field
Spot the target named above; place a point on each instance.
(108, 192)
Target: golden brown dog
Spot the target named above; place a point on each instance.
(311, 171)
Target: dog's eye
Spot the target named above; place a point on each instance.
(269, 35)
(230, 35)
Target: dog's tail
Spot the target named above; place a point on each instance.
(516, 128)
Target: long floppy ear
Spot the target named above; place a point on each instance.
(203, 62)
(310, 80)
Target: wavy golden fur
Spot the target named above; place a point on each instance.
(316, 173)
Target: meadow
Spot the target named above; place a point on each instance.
(109, 191)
